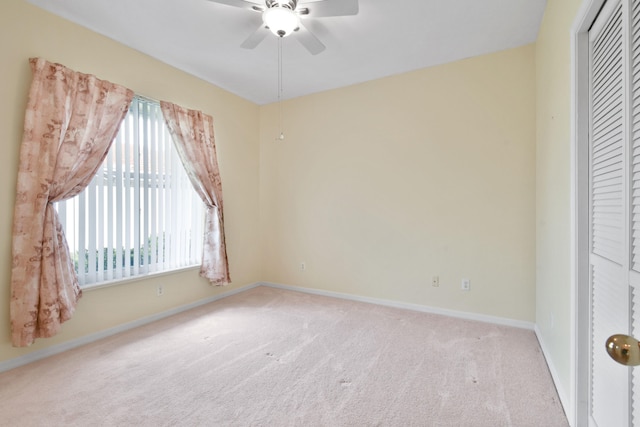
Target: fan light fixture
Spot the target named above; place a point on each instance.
(284, 17)
(281, 20)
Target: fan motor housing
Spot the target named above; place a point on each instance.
(289, 4)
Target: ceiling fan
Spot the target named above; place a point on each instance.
(282, 18)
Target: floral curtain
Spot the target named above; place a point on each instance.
(192, 133)
(70, 122)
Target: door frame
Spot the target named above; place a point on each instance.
(581, 294)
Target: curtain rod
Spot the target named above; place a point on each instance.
(146, 98)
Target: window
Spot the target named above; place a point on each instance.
(140, 213)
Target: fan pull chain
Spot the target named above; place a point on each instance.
(281, 136)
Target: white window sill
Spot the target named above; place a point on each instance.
(126, 280)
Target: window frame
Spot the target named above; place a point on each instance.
(146, 125)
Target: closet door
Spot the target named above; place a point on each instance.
(634, 274)
(610, 211)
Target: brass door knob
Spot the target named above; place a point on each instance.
(624, 349)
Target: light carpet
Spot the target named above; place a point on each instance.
(272, 357)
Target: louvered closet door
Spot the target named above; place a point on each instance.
(614, 204)
(634, 275)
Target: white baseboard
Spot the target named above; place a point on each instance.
(562, 394)
(59, 348)
(408, 306)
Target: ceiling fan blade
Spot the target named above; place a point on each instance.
(254, 39)
(308, 40)
(324, 8)
(243, 4)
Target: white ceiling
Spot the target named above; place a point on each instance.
(386, 37)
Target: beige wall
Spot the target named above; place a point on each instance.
(553, 186)
(26, 31)
(382, 185)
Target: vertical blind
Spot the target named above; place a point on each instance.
(140, 213)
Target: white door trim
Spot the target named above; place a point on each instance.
(580, 298)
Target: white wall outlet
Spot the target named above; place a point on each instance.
(160, 290)
(303, 266)
(435, 281)
(465, 285)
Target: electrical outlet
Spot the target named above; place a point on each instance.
(303, 266)
(435, 281)
(465, 285)
(160, 290)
